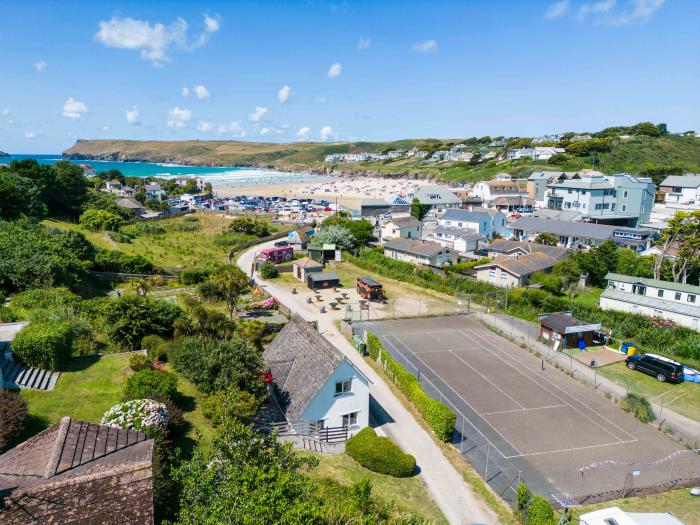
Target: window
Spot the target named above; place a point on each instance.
(343, 387)
(678, 296)
(624, 207)
(691, 298)
(660, 293)
(350, 419)
(624, 194)
(321, 424)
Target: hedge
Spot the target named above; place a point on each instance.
(438, 415)
(150, 382)
(115, 261)
(44, 344)
(379, 454)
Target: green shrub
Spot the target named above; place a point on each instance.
(43, 298)
(156, 348)
(13, 414)
(44, 345)
(231, 404)
(150, 228)
(139, 362)
(268, 270)
(540, 511)
(194, 276)
(639, 406)
(115, 261)
(150, 382)
(250, 226)
(379, 454)
(100, 220)
(130, 318)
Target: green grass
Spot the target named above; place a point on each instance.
(680, 502)
(589, 297)
(408, 493)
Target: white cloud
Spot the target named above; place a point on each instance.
(426, 46)
(303, 132)
(33, 134)
(132, 116)
(364, 43)
(271, 131)
(185, 91)
(335, 70)
(178, 117)
(105, 128)
(596, 8)
(283, 94)
(204, 126)
(5, 112)
(327, 133)
(256, 115)
(233, 128)
(320, 100)
(557, 10)
(265, 131)
(73, 108)
(154, 41)
(639, 11)
(201, 92)
(40, 65)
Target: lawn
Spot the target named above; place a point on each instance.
(589, 297)
(680, 502)
(408, 493)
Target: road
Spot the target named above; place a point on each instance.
(457, 500)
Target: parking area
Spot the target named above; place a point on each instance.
(526, 420)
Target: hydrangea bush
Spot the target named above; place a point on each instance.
(268, 304)
(144, 415)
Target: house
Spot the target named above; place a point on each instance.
(681, 192)
(639, 295)
(132, 205)
(615, 516)
(419, 252)
(322, 280)
(514, 271)
(487, 222)
(184, 181)
(400, 205)
(492, 189)
(522, 204)
(565, 331)
(401, 227)
(154, 191)
(546, 152)
(439, 198)
(512, 248)
(522, 153)
(579, 234)
(313, 381)
(299, 239)
(456, 239)
(620, 199)
(113, 186)
(301, 268)
(374, 208)
(537, 183)
(77, 472)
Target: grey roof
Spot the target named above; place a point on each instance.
(458, 232)
(476, 215)
(70, 449)
(436, 195)
(301, 361)
(405, 222)
(323, 276)
(523, 199)
(522, 265)
(375, 203)
(129, 203)
(652, 302)
(683, 181)
(414, 247)
(654, 283)
(559, 322)
(152, 186)
(586, 230)
(564, 215)
(508, 247)
(545, 175)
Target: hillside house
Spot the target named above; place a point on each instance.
(639, 295)
(313, 381)
(439, 198)
(154, 191)
(681, 192)
(485, 221)
(132, 205)
(492, 189)
(400, 227)
(514, 271)
(538, 180)
(76, 472)
(419, 252)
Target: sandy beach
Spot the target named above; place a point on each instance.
(349, 192)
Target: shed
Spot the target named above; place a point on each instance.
(305, 266)
(566, 329)
(322, 280)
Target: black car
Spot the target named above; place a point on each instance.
(663, 368)
(280, 244)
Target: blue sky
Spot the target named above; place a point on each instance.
(353, 70)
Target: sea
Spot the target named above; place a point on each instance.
(217, 176)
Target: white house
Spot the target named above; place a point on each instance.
(492, 189)
(439, 198)
(113, 186)
(487, 222)
(514, 271)
(456, 239)
(615, 516)
(313, 381)
(401, 227)
(681, 192)
(545, 153)
(154, 191)
(419, 252)
(638, 295)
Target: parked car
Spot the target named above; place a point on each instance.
(663, 368)
(279, 244)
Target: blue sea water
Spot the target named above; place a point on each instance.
(218, 176)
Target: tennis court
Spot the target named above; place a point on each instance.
(540, 424)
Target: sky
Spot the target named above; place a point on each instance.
(333, 70)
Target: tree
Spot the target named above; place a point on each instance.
(645, 128)
(130, 318)
(249, 226)
(682, 234)
(268, 270)
(202, 321)
(337, 235)
(548, 239)
(663, 128)
(100, 220)
(246, 477)
(631, 263)
(418, 210)
(361, 230)
(19, 196)
(230, 283)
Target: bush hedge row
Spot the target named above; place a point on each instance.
(379, 454)
(44, 344)
(438, 415)
(150, 382)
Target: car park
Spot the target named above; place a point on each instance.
(663, 368)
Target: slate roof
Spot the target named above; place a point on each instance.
(654, 283)
(323, 276)
(375, 203)
(436, 195)
(475, 215)
(306, 262)
(546, 175)
(414, 247)
(559, 322)
(522, 265)
(509, 247)
(586, 230)
(405, 222)
(301, 360)
(652, 302)
(70, 449)
(682, 181)
(462, 234)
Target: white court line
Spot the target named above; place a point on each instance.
(520, 410)
(488, 381)
(572, 449)
(464, 418)
(495, 354)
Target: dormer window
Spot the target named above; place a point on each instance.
(343, 387)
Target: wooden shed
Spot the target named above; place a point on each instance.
(565, 331)
(322, 280)
(305, 266)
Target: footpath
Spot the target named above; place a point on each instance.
(457, 500)
(527, 333)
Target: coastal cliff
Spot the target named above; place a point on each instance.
(3, 154)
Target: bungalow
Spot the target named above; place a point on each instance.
(132, 205)
(514, 271)
(154, 191)
(461, 241)
(78, 472)
(419, 252)
(439, 198)
(514, 248)
(301, 268)
(682, 192)
(487, 222)
(638, 295)
(401, 227)
(313, 381)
